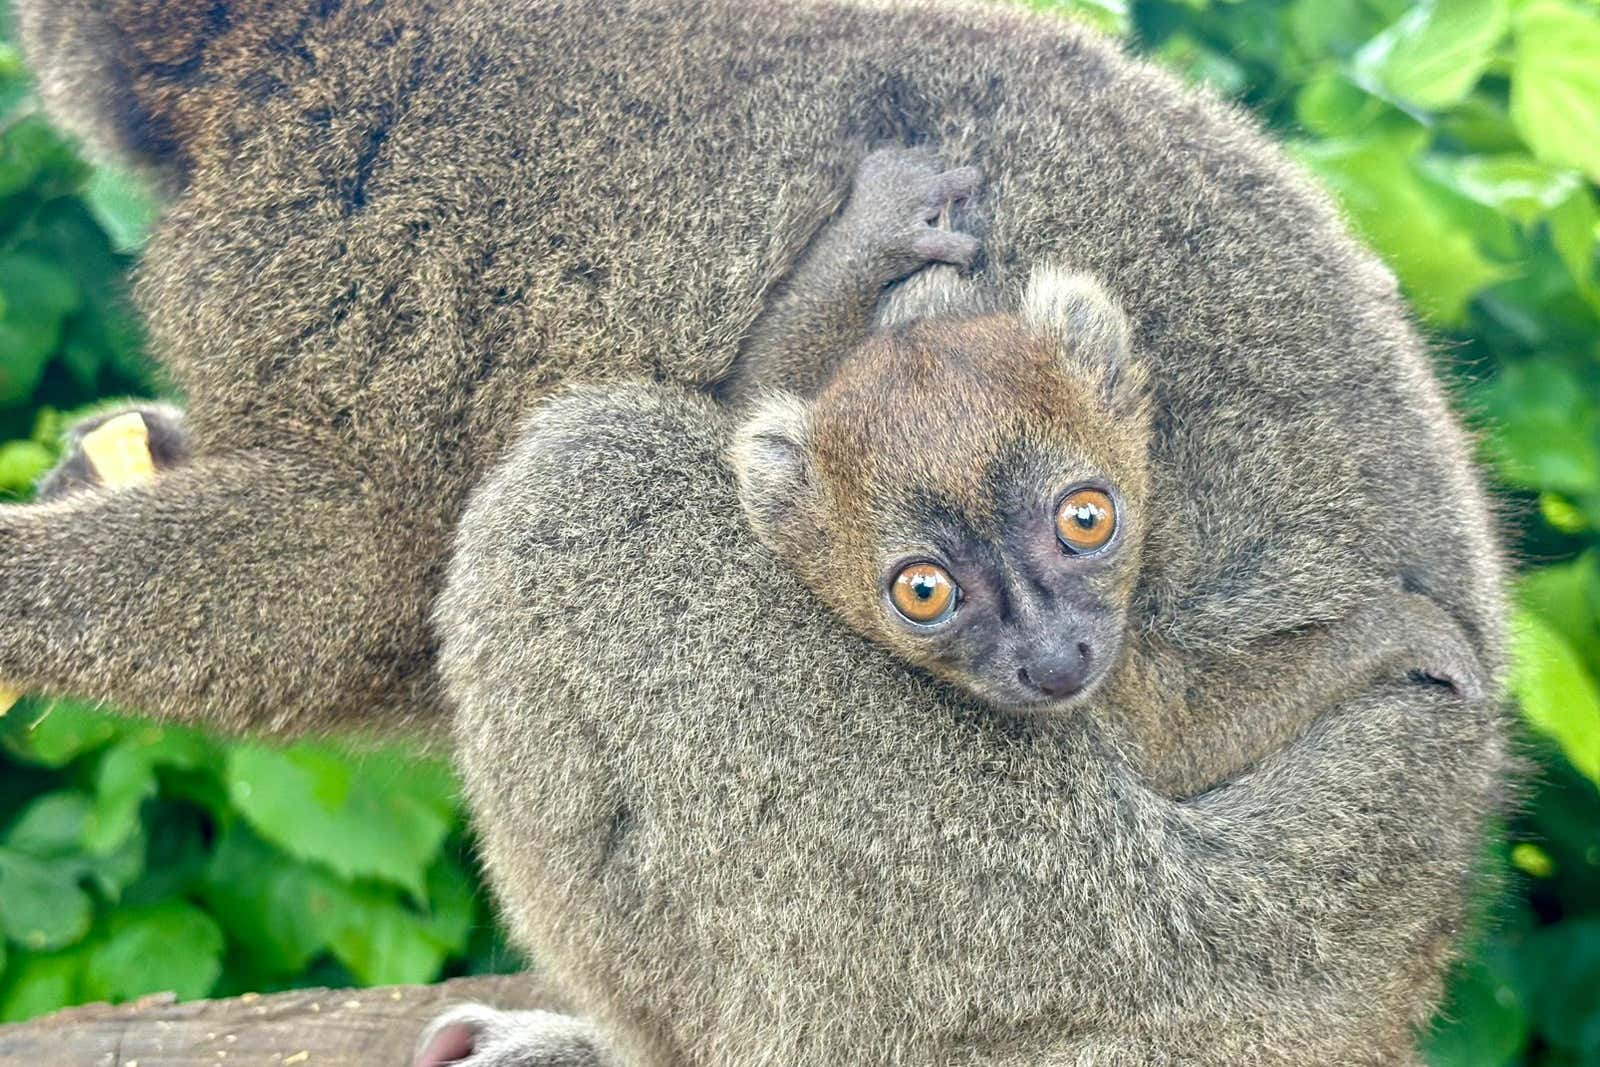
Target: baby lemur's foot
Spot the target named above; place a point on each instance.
(895, 206)
(1415, 633)
(163, 424)
(476, 1035)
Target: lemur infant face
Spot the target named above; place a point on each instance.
(967, 493)
(1023, 604)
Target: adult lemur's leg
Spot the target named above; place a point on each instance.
(256, 591)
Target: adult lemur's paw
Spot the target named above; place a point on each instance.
(476, 1035)
(169, 447)
(896, 204)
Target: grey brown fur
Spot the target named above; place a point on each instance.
(831, 860)
(399, 224)
(825, 306)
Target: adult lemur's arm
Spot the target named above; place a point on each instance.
(730, 824)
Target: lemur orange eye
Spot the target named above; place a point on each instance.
(1086, 520)
(924, 593)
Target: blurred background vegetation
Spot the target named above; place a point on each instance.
(1462, 138)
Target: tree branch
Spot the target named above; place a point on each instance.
(310, 1027)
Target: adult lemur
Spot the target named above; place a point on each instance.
(398, 224)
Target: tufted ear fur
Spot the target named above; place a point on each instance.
(770, 458)
(1091, 329)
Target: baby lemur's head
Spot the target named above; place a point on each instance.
(968, 491)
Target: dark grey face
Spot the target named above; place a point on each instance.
(1025, 608)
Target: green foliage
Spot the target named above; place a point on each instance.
(138, 858)
(1462, 139)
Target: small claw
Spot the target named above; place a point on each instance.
(946, 246)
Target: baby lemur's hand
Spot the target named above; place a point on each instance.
(895, 205)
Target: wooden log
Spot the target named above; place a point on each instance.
(301, 1028)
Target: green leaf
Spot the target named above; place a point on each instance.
(1555, 83)
(452, 903)
(126, 777)
(51, 826)
(1532, 860)
(1562, 514)
(53, 829)
(1575, 231)
(1518, 186)
(1375, 180)
(1331, 28)
(41, 905)
(1557, 693)
(172, 946)
(1565, 596)
(122, 205)
(40, 984)
(1479, 124)
(59, 731)
(1485, 1023)
(1330, 105)
(430, 782)
(1433, 56)
(36, 294)
(1566, 957)
(1546, 428)
(315, 805)
(380, 940)
(115, 871)
(21, 464)
(273, 906)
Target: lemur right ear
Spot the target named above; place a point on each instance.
(769, 457)
(1075, 310)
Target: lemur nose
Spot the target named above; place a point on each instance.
(1059, 673)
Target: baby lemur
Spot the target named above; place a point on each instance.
(967, 485)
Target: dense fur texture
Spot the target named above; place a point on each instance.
(829, 860)
(824, 306)
(397, 224)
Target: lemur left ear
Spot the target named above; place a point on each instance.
(769, 458)
(1076, 312)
